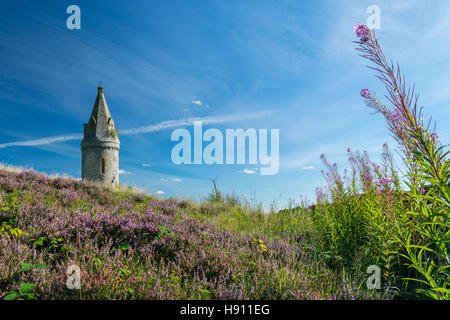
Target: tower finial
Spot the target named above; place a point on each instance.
(100, 88)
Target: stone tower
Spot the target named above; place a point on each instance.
(100, 145)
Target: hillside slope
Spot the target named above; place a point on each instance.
(134, 246)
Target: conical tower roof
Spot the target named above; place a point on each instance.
(100, 127)
(100, 111)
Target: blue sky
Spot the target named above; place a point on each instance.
(288, 65)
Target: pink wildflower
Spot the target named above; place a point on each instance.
(434, 137)
(361, 31)
(365, 93)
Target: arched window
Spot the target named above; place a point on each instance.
(103, 166)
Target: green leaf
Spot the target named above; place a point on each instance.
(27, 287)
(28, 296)
(429, 293)
(124, 246)
(26, 266)
(11, 296)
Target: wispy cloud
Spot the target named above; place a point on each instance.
(160, 192)
(124, 172)
(146, 164)
(177, 179)
(190, 121)
(199, 103)
(308, 168)
(145, 129)
(38, 142)
(249, 171)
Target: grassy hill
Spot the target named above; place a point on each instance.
(130, 245)
(371, 234)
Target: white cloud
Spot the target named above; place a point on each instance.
(146, 164)
(190, 121)
(249, 171)
(308, 168)
(160, 192)
(177, 179)
(197, 102)
(124, 172)
(42, 141)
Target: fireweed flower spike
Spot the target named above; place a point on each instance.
(362, 31)
(402, 119)
(365, 93)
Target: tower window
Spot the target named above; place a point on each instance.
(103, 166)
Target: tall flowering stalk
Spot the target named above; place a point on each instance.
(426, 240)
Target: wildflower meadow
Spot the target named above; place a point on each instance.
(131, 245)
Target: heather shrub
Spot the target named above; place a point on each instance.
(134, 246)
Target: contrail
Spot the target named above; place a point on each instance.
(189, 121)
(145, 129)
(42, 141)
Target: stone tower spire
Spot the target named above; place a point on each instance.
(100, 145)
